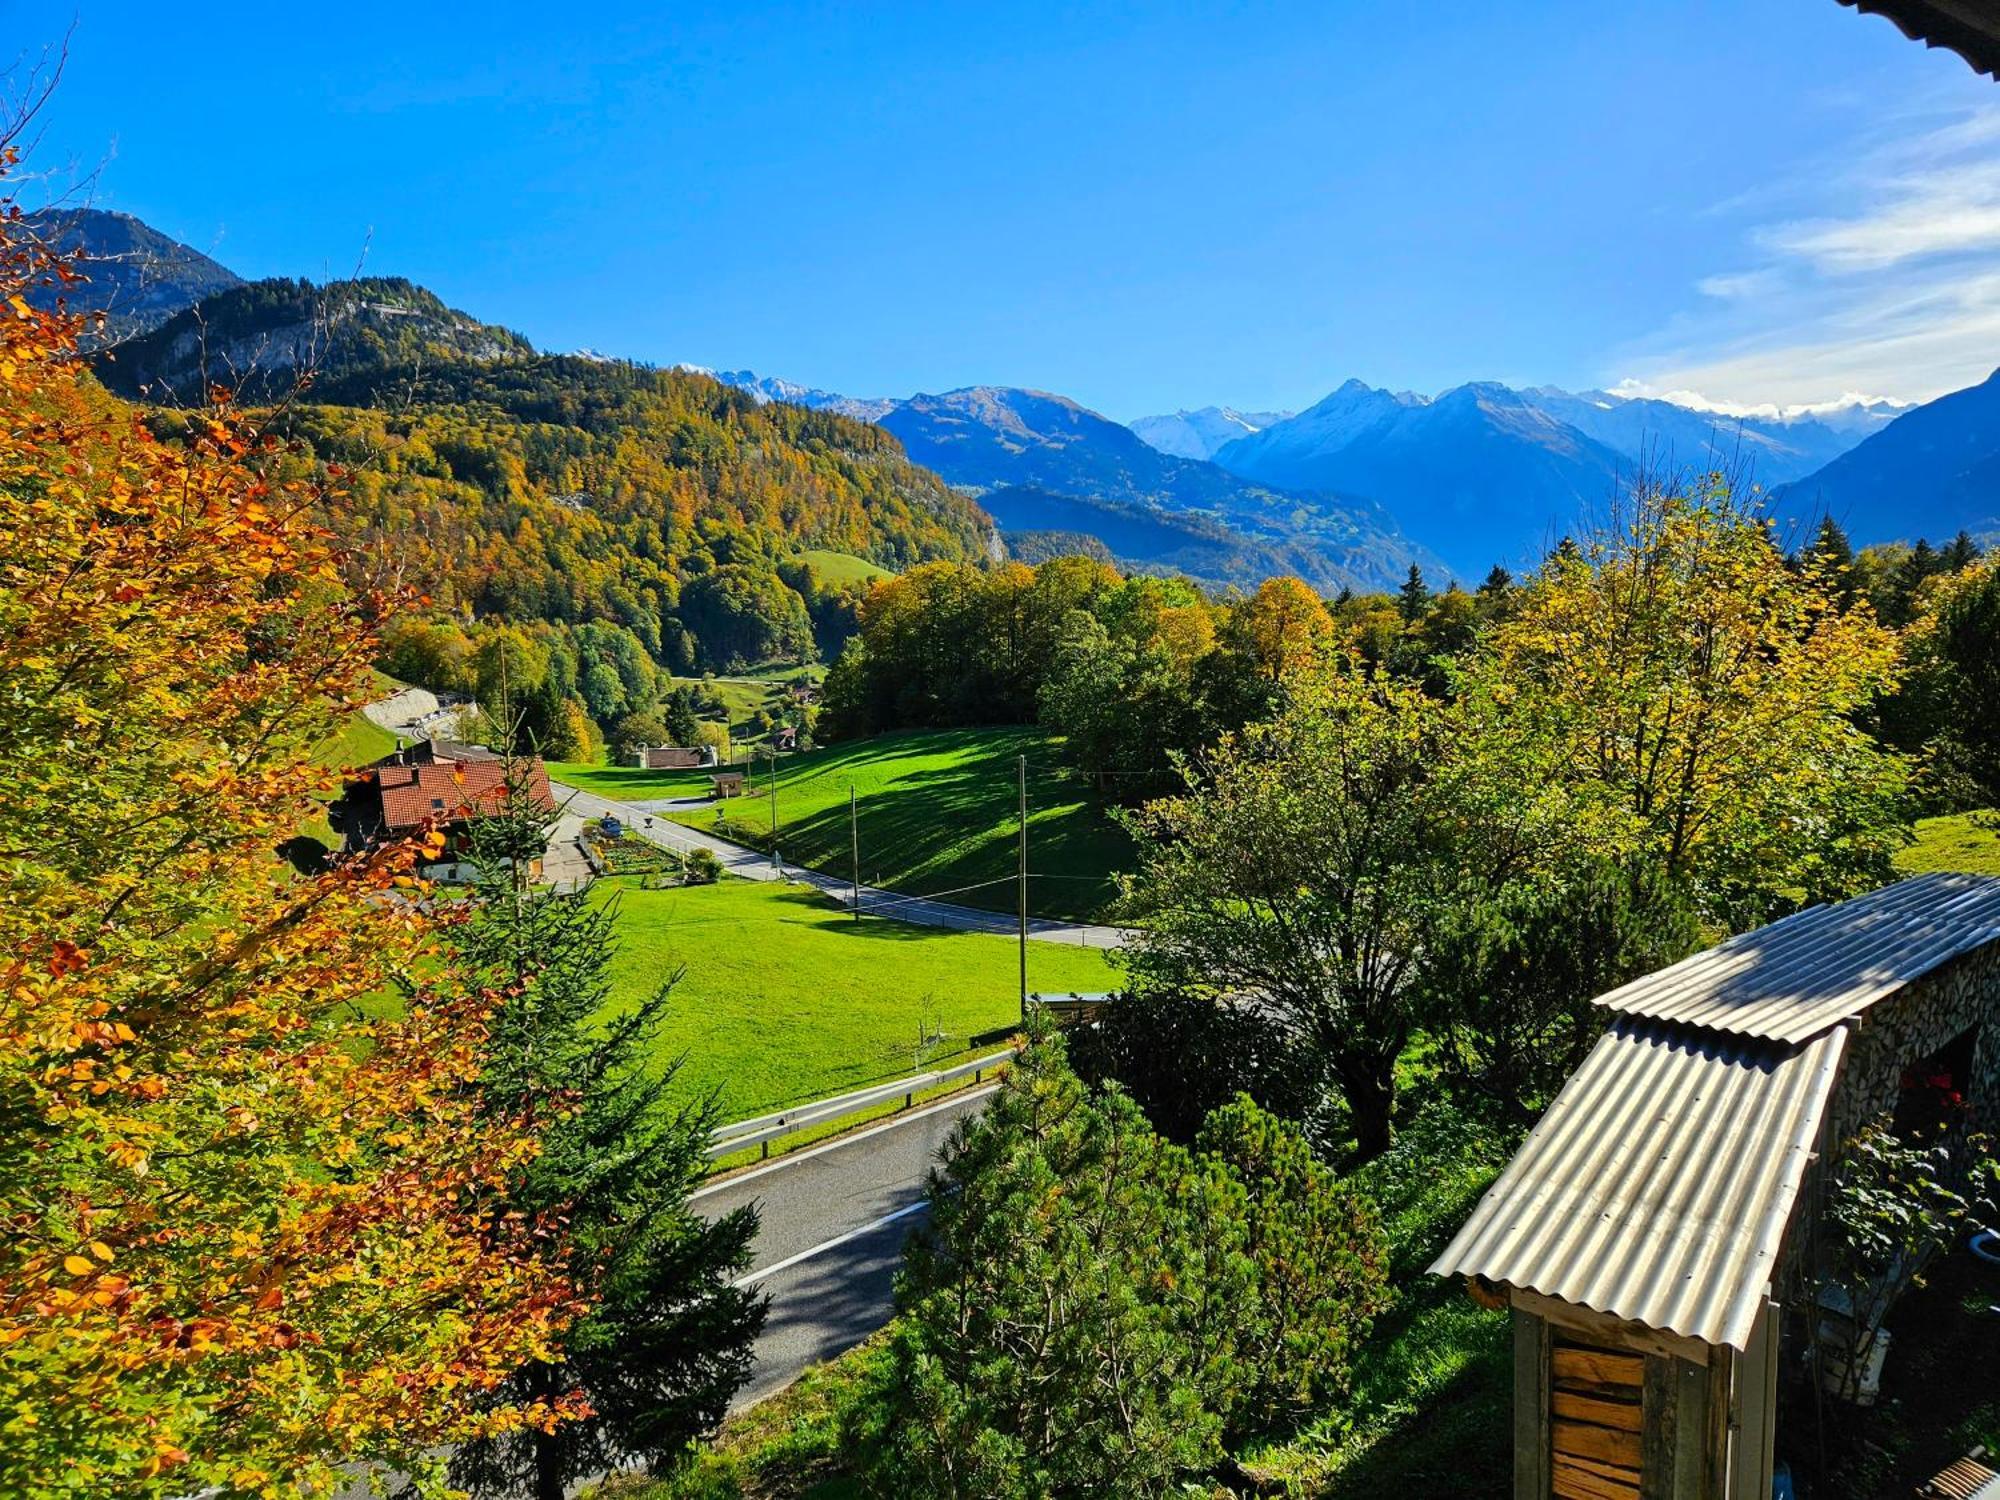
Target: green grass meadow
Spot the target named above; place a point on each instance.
(1963, 841)
(844, 567)
(936, 810)
(785, 997)
(359, 741)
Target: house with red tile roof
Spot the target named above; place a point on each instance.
(437, 783)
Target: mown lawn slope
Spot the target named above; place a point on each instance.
(785, 997)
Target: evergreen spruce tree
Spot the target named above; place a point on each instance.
(1834, 555)
(1413, 600)
(668, 1340)
(683, 724)
(1961, 554)
(1918, 568)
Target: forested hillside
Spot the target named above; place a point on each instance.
(668, 513)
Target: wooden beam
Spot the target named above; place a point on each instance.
(1580, 1479)
(1661, 1402)
(1609, 1332)
(1531, 1407)
(1620, 1414)
(1594, 1367)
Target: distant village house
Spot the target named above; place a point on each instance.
(435, 782)
(673, 757)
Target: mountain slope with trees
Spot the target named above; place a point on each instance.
(1934, 471)
(580, 528)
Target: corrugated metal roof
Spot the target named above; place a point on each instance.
(1658, 1186)
(1793, 979)
(1968, 28)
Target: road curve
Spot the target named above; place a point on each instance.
(751, 865)
(832, 1221)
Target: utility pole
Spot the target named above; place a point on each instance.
(777, 863)
(1021, 766)
(854, 847)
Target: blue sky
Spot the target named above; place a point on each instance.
(1143, 207)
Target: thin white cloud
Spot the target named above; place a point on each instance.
(1898, 292)
(1731, 285)
(1940, 213)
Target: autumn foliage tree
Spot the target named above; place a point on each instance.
(1702, 696)
(246, 1193)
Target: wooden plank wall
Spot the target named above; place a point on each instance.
(1597, 1428)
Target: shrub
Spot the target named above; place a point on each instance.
(703, 868)
(1095, 1309)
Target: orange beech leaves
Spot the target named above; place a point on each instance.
(248, 1199)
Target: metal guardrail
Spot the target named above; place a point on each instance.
(727, 1140)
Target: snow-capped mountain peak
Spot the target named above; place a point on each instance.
(1199, 433)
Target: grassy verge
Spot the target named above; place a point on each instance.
(359, 741)
(629, 783)
(784, 997)
(790, 1445)
(1964, 841)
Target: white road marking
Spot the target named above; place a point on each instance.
(894, 1122)
(840, 1239)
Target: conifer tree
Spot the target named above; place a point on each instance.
(668, 1340)
(1413, 600)
(1961, 554)
(1833, 555)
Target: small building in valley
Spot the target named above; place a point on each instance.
(1655, 1235)
(673, 757)
(437, 783)
(727, 784)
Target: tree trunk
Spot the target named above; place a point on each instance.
(547, 1446)
(548, 1467)
(1370, 1090)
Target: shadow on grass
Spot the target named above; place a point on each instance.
(842, 923)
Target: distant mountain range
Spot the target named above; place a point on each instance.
(1348, 493)
(988, 438)
(1486, 473)
(138, 277)
(1152, 539)
(767, 388)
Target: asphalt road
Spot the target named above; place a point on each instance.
(832, 1221)
(752, 865)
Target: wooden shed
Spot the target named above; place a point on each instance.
(1647, 1235)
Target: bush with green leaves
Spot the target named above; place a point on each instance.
(703, 868)
(1095, 1310)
